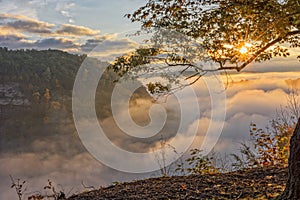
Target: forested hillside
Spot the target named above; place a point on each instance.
(36, 95)
(43, 69)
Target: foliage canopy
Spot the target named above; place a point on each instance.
(232, 33)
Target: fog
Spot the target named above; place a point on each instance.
(55, 152)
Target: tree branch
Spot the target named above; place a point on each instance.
(265, 48)
(237, 68)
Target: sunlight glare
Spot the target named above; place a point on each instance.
(243, 50)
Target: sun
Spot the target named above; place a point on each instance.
(243, 50)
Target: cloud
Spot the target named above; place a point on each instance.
(278, 64)
(68, 29)
(61, 157)
(18, 31)
(29, 26)
(137, 104)
(17, 42)
(252, 97)
(108, 50)
(90, 44)
(14, 41)
(255, 101)
(64, 8)
(36, 168)
(55, 43)
(33, 8)
(26, 24)
(267, 81)
(19, 7)
(33, 33)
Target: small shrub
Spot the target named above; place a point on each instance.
(269, 146)
(272, 143)
(199, 164)
(19, 186)
(50, 190)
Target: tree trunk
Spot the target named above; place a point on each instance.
(292, 190)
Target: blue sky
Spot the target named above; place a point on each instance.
(106, 16)
(70, 25)
(78, 26)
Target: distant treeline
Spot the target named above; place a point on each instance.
(46, 68)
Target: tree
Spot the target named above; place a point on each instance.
(292, 190)
(233, 33)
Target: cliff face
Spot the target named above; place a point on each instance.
(35, 97)
(11, 94)
(12, 100)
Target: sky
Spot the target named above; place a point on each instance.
(73, 26)
(79, 26)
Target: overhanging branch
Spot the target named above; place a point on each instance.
(265, 48)
(237, 68)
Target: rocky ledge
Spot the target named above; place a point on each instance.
(264, 183)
